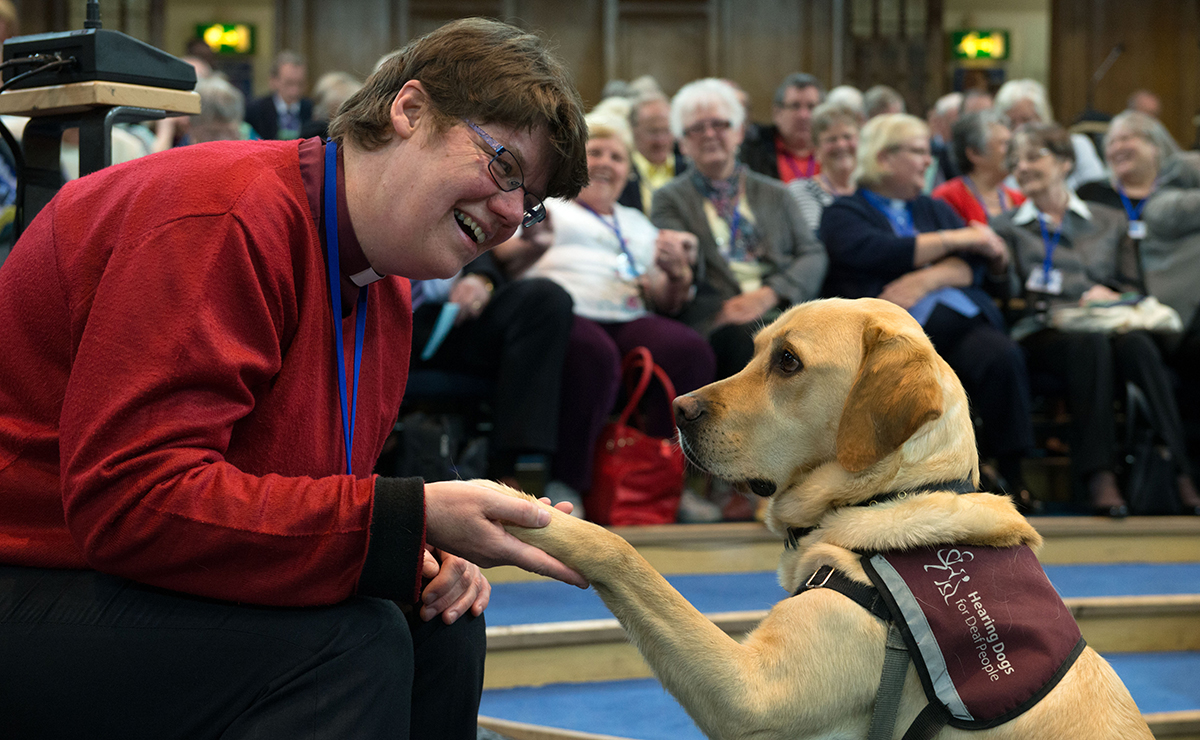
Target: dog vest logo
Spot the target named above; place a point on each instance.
(947, 559)
(987, 631)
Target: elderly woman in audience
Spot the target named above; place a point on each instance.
(980, 142)
(1067, 253)
(626, 278)
(756, 253)
(1136, 148)
(835, 134)
(222, 111)
(1024, 101)
(890, 241)
(332, 89)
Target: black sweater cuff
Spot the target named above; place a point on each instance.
(395, 552)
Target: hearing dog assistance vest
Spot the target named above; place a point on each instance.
(988, 634)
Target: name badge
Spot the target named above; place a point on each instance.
(1042, 282)
(1137, 229)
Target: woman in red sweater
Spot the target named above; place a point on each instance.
(980, 149)
(203, 353)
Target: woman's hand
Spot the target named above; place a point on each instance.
(472, 294)
(468, 520)
(990, 246)
(455, 586)
(747, 307)
(1099, 294)
(675, 253)
(907, 289)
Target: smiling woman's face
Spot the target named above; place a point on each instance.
(608, 171)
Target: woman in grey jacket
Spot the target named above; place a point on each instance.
(756, 253)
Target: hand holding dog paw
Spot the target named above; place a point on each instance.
(468, 518)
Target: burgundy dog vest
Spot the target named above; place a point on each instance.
(988, 634)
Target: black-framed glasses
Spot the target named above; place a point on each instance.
(506, 172)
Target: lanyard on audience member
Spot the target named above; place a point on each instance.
(1137, 227)
(794, 171)
(349, 407)
(979, 197)
(1050, 244)
(900, 218)
(616, 229)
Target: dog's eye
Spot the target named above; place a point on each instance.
(788, 363)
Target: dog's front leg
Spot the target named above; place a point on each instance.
(731, 690)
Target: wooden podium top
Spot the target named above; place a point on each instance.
(79, 97)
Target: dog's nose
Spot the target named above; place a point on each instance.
(687, 410)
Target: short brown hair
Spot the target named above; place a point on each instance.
(488, 71)
(1048, 136)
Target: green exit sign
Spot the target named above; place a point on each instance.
(228, 38)
(977, 44)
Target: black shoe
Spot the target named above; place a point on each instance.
(1116, 511)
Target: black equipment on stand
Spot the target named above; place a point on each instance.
(91, 79)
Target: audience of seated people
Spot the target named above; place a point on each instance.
(626, 278)
(1130, 219)
(756, 253)
(1068, 253)
(890, 241)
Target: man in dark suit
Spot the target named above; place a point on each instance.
(784, 150)
(284, 112)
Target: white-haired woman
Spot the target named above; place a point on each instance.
(890, 241)
(1136, 148)
(756, 253)
(1024, 101)
(835, 135)
(626, 278)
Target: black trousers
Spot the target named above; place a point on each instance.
(992, 369)
(1091, 365)
(87, 655)
(520, 340)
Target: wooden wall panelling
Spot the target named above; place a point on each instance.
(575, 32)
(762, 42)
(673, 40)
(898, 44)
(1159, 38)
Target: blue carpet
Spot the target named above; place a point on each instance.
(641, 709)
(524, 603)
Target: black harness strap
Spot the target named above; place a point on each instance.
(860, 593)
(929, 722)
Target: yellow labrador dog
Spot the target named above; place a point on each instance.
(843, 400)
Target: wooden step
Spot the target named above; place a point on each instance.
(1164, 725)
(675, 549)
(597, 649)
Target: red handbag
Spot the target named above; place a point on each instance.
(636, 479)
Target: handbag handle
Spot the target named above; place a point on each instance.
(640, 356)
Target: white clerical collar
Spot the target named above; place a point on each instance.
(1028, 212)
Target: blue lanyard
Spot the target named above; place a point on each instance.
(616, 229)
(1051, 244)
(900, 219)
(1134, 214)
(335, 300)
(975, 192)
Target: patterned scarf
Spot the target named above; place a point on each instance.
(724, 195)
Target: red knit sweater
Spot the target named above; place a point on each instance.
(168, 396)
(966, 205)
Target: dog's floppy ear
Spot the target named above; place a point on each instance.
(896, 392)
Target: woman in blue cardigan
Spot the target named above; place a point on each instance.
(889, 241)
